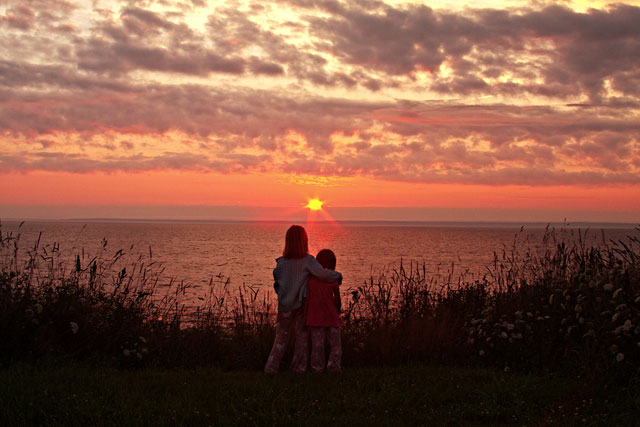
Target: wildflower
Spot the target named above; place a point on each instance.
(126, 352)
(28, 313)
(74, 327)
(608, 287)
(481, 352)
(38, 308)
(620, 357)
(621, 307)
(616, 293)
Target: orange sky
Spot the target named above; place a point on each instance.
(192, 191)
(513, 110)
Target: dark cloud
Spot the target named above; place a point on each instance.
(21, 18)
(427, 141)
(25, 15)
(566, 48)
(258, 66)
(79, 96)
(141, 22)
(552, 52)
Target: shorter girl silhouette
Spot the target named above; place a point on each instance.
(323, 317)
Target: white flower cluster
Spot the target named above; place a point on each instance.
(138, 350)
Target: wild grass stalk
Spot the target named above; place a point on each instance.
(563, 303)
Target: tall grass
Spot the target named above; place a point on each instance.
(113, 308)
(564, 303)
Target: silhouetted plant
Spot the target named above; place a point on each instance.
(558, 304)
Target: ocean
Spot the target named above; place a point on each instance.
(245, 252)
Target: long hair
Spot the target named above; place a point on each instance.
(296, 242)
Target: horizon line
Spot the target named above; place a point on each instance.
(514, 223)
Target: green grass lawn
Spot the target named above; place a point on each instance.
(78, 394)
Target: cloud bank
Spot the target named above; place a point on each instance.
(534, 95)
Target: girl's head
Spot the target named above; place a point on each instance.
(327, 259)
(296, 242)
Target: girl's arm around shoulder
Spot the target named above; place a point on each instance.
(322, 273)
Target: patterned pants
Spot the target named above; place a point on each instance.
(318, 335)
(286, 321)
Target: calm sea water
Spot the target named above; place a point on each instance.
(246, 252)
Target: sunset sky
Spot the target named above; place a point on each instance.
(394, 110)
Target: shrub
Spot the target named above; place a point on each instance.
(560, 304)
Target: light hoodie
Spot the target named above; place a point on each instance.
(290, 279)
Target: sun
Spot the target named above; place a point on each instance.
(314, 205)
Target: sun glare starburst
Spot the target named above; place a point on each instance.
(314, 204)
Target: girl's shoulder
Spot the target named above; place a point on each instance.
(310, 259)
(288, 262)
